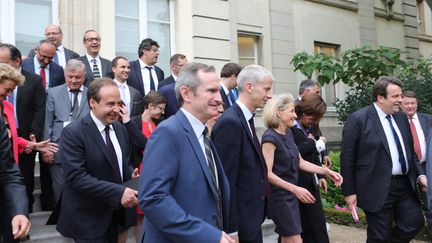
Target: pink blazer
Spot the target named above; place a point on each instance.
(19, 143)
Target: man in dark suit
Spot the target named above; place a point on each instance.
(228, 81)
(420, 124)
(14, 201)
(52, 74)
(54, 34)
(177, 61)
(145, 75)
(172, 104)
(96, 66)
(245, 168)
(65, 104)
(380, 167)
(94, 151)
(179, 207)
(307, 86)
(29, 105)
(130, 96)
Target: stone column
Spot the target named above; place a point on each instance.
(409, 8)
(367, 27)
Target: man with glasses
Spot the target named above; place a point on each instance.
(54, 34)
(177, 61)
(145, 75)
(96, 66)
(52, 75)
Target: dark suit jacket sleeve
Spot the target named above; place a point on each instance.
(137, 138)
(73, 150)
(39, 111)
(226, 137)
(11, 182)
(350, 137)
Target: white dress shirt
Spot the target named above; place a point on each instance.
(98, 63)
(61, 56)
(421, 136)
(246, 113)
(37, 67)
(124, 94)
(146, 77)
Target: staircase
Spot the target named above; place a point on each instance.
(40, 232)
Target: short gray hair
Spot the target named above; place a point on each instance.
(75, 64)
(254, 74)
(305, 84)
(189, 77)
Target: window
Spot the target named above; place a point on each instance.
(421, 17)
(247, 49)
(22, 22)
(328, 91)
(139, 19)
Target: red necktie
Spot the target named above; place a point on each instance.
(417, 147)
(42, 74)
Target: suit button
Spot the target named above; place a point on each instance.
(262, 198)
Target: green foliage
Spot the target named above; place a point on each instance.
(358, 68)
(333, 195)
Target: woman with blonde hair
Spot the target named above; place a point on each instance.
(283, 162)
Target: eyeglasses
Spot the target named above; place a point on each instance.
(97, 39)
(45, 57)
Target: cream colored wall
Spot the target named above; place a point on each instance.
(427, 18)
(390, 33)
(425, 49)
(107, 29)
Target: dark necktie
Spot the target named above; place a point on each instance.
(75, 105)
(96, 73)
(416, 139)
(152, 84)
(212, 167)
(56, 60)
(42, 74)
(112, 154)
(267, 190)
(231, 97)
(398, 145)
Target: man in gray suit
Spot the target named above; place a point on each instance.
(54, 34)
(96, 66)
(65, 104)
(129, 95)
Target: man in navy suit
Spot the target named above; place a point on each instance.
(380, 167)
(186, 199)
(96, 66)
(240, 152)
(54, 34)
(228, 81)
(177, 61)
(94, 151)
(145, 75)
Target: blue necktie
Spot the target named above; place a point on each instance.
(56, 58)
(398, 145)
(11, 99)
(231, 97)
(152, 84)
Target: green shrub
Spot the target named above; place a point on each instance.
(333, 195)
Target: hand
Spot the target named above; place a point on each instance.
(20, 226)
(422, 181)
(135, 173)
(323, 184)
(303, 195)
(124, 114)
(46, 146)
(323, 139)
(310, 135)
(226, 238)
(129, 198)
(335, 177)
(327, 161)
(48, 157)
(351, 201)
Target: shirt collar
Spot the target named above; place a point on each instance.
(381, 114)
(90, 58)
(174, 77)
(100, 126)
(81, 88)
(143, 65)
(119, 84)
(224, 88)
(196, 124)
(60, 48)
(246, 112)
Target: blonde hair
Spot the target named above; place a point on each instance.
(275, 104)
(7, 72)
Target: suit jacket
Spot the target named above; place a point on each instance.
(91, 196)
(179, 207)
(136, 102)
(14, 198)
(30, 106)
(138, 140)
(166, 81)
(18, 143)
(58, 110)
(69, 54)
(56, 73)
(135, 78)
(366, 164)
(172, 105)
(224, 98)
(244, 170)
(105, 72)
(425, 122)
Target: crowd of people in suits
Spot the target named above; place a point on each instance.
(179, 157)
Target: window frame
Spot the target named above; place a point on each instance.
(256, 43)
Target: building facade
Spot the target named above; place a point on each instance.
(266, 32)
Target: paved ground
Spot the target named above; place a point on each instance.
(340, 234)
